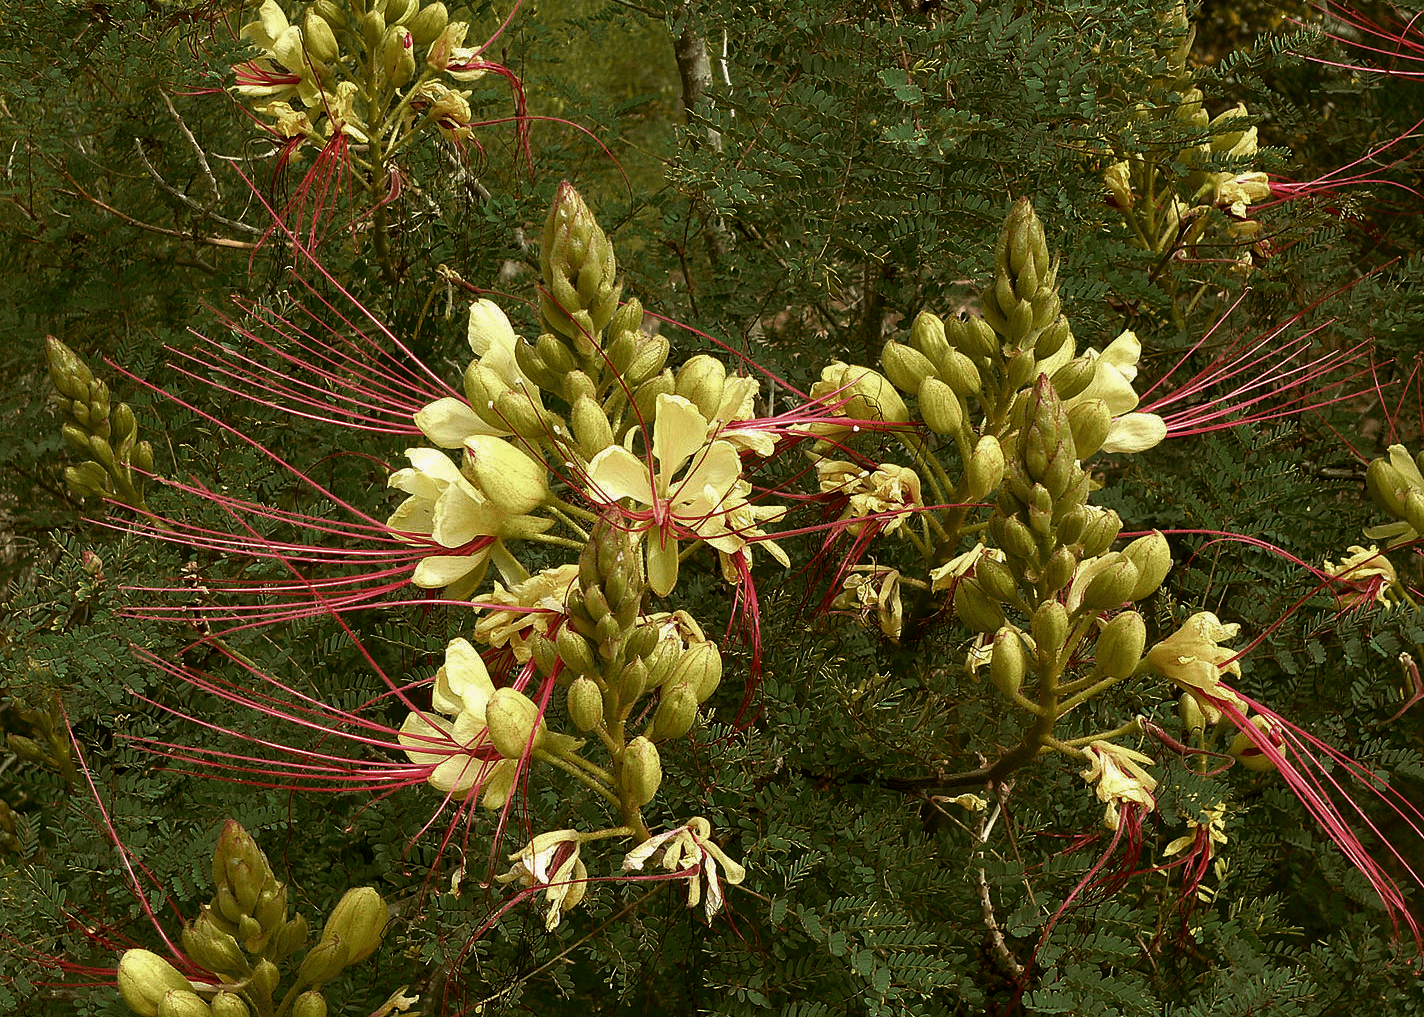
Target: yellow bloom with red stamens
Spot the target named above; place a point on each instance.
(515, 616)
(1365, 576)
(886, 489)
(551, 860)
(1120, 778)
(691, 847)
(1194, 659)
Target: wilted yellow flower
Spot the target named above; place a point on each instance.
(1120, 778)
(1195, 660)
(691, 847)
(552, 860)
(1364, 576)
(888, 488)
(530, 608)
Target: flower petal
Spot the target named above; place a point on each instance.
(680, 430)
(449, 421)
(1135, 432)
(616, 473)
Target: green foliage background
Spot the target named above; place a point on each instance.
(865, 155)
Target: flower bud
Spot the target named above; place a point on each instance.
(212, 948)
(426, 26)
(1090, 421)
(1414, 510)
(574, 650)
(632, 682)
(553, 354)
(1244, 748)
(1111, 586)
(700, 381)
(289, 937)
(145, 978)
(995, 579)
(1019, 370)
(975, 609)
(358, 920)
(1189, 712)
(124, 425)
(183, 1003)
(1117, 178)
(451, 39)
(319, 39)
(1014, 538)
(652, 353)
(1050, 626)
(580, 271)
(1074, 377)
(308, 1004)
(398, 10)
(977, 339)
(661, 662)
(868, 394)
(1006, 665)
(512, 719)
(960, 374)
(585, 704)
(324, 961)
(228, 1004)
(677, 712)
(642, 770)
(700, 667)
(69, 374)
(645, 397)
(906, 367)
(265, 977)
(927, 335)
(1120, 645)
(590, 426)
(576, 385)
(1153, 558)
(1099, 532)
(1058, 570)
(986, 468)
(939, 407)
(398, 56)
(1386, 486)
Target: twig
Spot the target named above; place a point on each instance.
(187, 201)
(997, 944)
(198, 149)
(80, 192)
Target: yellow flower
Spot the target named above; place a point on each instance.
(1115, 369)
(888, 488)
(458, 751)
(1364, 576)
(1120, 778)
(552, 860)
(691, 847)
(530, 608)
(695, 489)
(1194, 659)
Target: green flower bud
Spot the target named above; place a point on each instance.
(906, 367)
(1019, 370)
(513, 719)
(398, 10)
(240, 864)
(398, 56)
(699, 667)
(585, 704)
(515, 482)
(1099, 533)
(590, 426)
(76, 439)
(652, 353)
(978, 339)
(145, 978)
(1014, 538)
(579, 270)
(309, 1004)
(124, 425)
(868, 394)
(1058, 570)
(700, 381)
(1052, 339)
(1089, 421)
(324, 961)
(940, 407)
(228, 1004)
(1245, 751)
(552, 353)
(1153, 558)
(677, 712)
(87, 480)
(575, 652)
(642, 770)
(996, 579)
(69, 374)
(1414, 510)
(227, 904)
(183, 1003)
(1073, 378)
(1386, 486)
(212, 948)
(928, 336)
(632, 682)
(1120, 645)
(986, 468)
(426, 26)
(645, 397)
(1050, 627)
(358, 920)
(661, 662)
(318, 37)
(516, 412)
(1189, 712)
(1111, 586)
(975, 609)
(577, 385)
(643, 640)
(289, 937)
(265, 976)
(1006, 663)
(960, 374)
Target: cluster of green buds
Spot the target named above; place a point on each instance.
(1001, 410)
(580, 443)
(1167, 213)
(107, 435)
(244, 937)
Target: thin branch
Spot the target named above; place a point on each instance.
(197, 149)
(187, 201)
